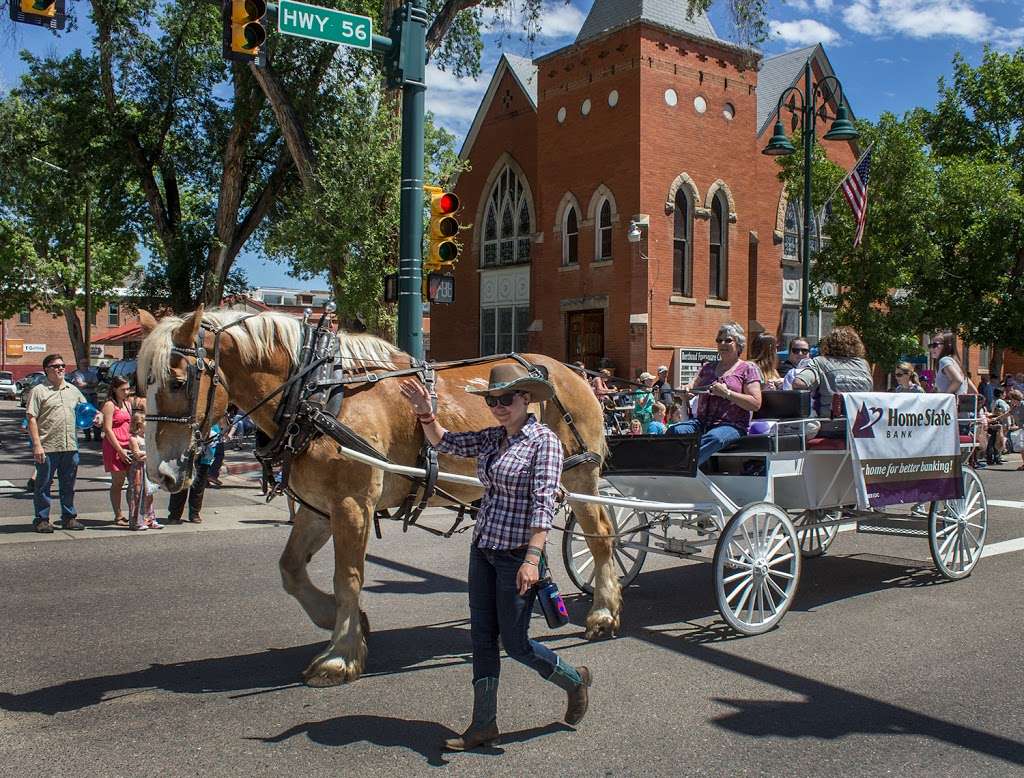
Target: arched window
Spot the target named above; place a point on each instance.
(718, 283)
(791, 235)
(682, 259)
(604, 232)
(571, 237)
(507, 227)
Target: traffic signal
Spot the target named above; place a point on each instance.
(244, 30)
(442, 248)
(44, 13)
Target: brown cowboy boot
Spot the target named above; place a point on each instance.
(483, 730)
(575, 681)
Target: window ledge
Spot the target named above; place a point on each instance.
(709, 303)
(567, 268)
(677, 300)
(601, 263)
(786, 262)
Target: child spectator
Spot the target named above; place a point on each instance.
(635, 427)
(657, 424)
(140, 489)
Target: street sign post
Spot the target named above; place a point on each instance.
(324, 24)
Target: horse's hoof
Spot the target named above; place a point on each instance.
(331, 672)
(599, 627)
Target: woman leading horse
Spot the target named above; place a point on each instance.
(256, 356)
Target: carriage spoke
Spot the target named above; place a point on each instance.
(746, 585)
(735, 576)
(625, 553)
(787, 576)
(744, 553)
(779, 560)
(582, 551)
(586, 564)
(622, 567)
(768, 596)
(946, 543)
(943, 532)
(776, 587)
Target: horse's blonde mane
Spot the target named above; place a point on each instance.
(256, 338)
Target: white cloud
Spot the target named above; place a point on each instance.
(799, 5)
(453, 100)
(922, 19)
(559, 20)
(823, 5)
(803, 32)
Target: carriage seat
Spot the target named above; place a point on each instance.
(776, 405)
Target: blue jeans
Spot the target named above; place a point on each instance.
(712, 440)
(496, 608)
(64, 465)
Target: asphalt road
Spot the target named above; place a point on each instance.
(178, 653)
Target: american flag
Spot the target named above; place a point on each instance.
(855, 190)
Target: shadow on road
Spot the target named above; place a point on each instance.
(424, 737)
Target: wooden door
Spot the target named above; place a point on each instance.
(585, 337)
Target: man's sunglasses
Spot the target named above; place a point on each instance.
(800, 350)
(503, 399)
(55, 367)
(723, 340)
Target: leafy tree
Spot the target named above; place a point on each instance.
(42, 209)
(977, 135)
(878, 289)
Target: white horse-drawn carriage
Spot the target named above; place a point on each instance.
(763, 504)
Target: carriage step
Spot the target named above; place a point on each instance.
(676, 546)
(909, 527)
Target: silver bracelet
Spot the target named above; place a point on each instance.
(528, 562)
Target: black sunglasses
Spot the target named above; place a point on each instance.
(934, 345)
(504, 399)
(55, 367)
(800, 350)
(723, 340)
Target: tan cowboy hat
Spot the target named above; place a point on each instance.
(515, 378)
(646, 377)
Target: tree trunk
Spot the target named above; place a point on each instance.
(995, 365)
(75, 334)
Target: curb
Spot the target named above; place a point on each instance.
(238, 469)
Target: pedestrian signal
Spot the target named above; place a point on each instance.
(244, 30)
(44, 13)
(442, 249)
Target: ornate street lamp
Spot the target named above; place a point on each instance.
(842, 129)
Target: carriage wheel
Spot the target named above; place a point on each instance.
(757, 568)
(814, 538)
(957, 528)
(626, 524)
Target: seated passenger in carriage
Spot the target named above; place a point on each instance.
(733, 394)
(839, 368)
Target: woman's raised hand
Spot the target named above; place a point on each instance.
(416, 394)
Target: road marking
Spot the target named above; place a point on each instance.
(1007, 503)
(1003, 547)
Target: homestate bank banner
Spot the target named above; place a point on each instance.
(906, 447)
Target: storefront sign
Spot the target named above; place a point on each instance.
(35, 348)
(15, 347)
(689, 361)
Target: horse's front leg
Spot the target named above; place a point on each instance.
(308, 535)
(344, 657)
(603, 618)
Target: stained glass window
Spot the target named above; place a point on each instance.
(507, 227)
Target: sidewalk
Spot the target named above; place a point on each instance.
(252, 515)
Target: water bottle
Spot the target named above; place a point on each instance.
(551, 603)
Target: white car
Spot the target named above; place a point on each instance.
(8, 388)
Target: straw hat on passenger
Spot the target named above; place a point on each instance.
(515, 378)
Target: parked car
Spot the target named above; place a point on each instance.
(8, 388)
(29, 381)
(122, 367)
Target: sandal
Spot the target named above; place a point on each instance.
(121, 521)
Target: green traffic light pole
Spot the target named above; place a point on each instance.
(779, 145)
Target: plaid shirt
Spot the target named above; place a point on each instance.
(519, 482)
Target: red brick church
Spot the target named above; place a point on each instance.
(647, 118)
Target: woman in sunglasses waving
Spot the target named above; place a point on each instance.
(732, 393)
(519, 462)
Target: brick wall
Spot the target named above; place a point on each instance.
(52, 332)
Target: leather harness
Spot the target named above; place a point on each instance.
(310, 404)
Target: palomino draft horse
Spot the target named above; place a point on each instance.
(254, 358)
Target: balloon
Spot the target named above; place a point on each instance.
(759, 428)
(85, 414)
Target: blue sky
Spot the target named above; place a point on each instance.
(889, 55)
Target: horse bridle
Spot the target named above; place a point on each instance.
(199, 431)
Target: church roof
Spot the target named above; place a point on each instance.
(607, 15)
(779, 73)
(525, 73)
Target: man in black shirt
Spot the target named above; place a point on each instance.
(663, 387)
(799, 349)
